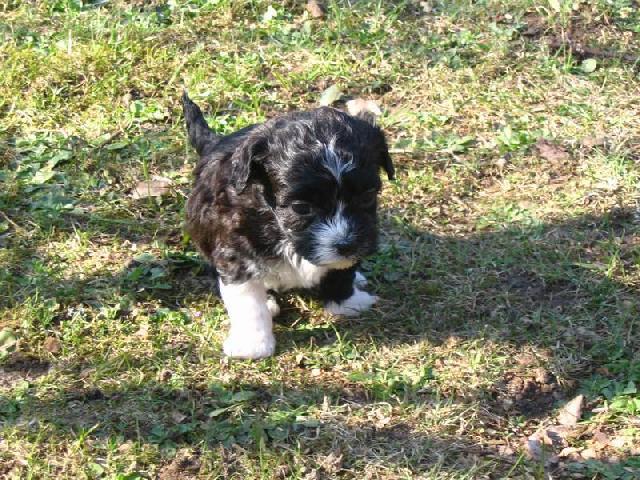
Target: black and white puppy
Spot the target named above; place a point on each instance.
(285, 204)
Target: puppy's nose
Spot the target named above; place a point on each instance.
(345, 248)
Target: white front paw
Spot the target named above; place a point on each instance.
(360, 280)
(352, 306)
(272, 305)
(249, 346)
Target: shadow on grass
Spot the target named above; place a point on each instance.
(545, 285)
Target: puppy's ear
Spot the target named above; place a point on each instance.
(252, 153)
(200, 135)
(386, 163)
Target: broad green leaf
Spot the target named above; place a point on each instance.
(330, 95)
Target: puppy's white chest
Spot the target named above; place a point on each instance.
(293, 273)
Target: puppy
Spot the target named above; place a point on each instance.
(285, 204)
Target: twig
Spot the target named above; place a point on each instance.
(11, 222)
(581, 51)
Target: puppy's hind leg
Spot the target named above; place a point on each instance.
(251, 333)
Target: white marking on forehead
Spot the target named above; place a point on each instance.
(334, 163)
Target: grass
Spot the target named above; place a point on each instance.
(508, 276)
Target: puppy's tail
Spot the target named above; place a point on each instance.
(200, 135)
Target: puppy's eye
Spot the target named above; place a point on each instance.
(301, 208)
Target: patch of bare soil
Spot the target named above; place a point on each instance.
(530, 393)
(580, 38)
(185, 466)
(21, 366)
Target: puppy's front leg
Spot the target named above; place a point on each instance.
(251, 333)
(339, 289)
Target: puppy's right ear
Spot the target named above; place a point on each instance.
(200, 135)
(252, 153)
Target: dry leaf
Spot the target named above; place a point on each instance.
(316, 9)
(589, 454)
(155, 187)
(533, 448)
(177, 416)
(571, 453)
(591, 142)
(618, 442)
(143, 331)
(505, 450)
(557, 436)
(551, 152)
(332, 463)
(571, 412)
(330, 95)
(52, 345)
(600, 439)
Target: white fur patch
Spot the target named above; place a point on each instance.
(327, 234)
(352, 306)
(334, 163)
(251, 333)
(293, 272)
(272, 305)
(360, 280)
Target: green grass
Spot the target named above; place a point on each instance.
(508, 279)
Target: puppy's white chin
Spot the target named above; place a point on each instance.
(352, 306)
(249, 345)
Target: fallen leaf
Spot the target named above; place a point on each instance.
(8, 339)
(312, 475)
(591, 142)
(155, 187)
(571, 453)
(542, 375)
(315, 9)
(177, 416)
(52, 345)
(330, 95)
(505, 450)
(360, 106)
(550, 151)
(555, 5)
(332, 463)
(533, 448)
(557, 436)
(270, 14)
(571, 412)
(143, 331)
(589, 454)
(600, 439)
(618, 442)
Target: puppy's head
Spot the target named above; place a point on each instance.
(320, 175)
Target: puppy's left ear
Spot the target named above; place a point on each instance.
(252, 153)
(386, 163)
